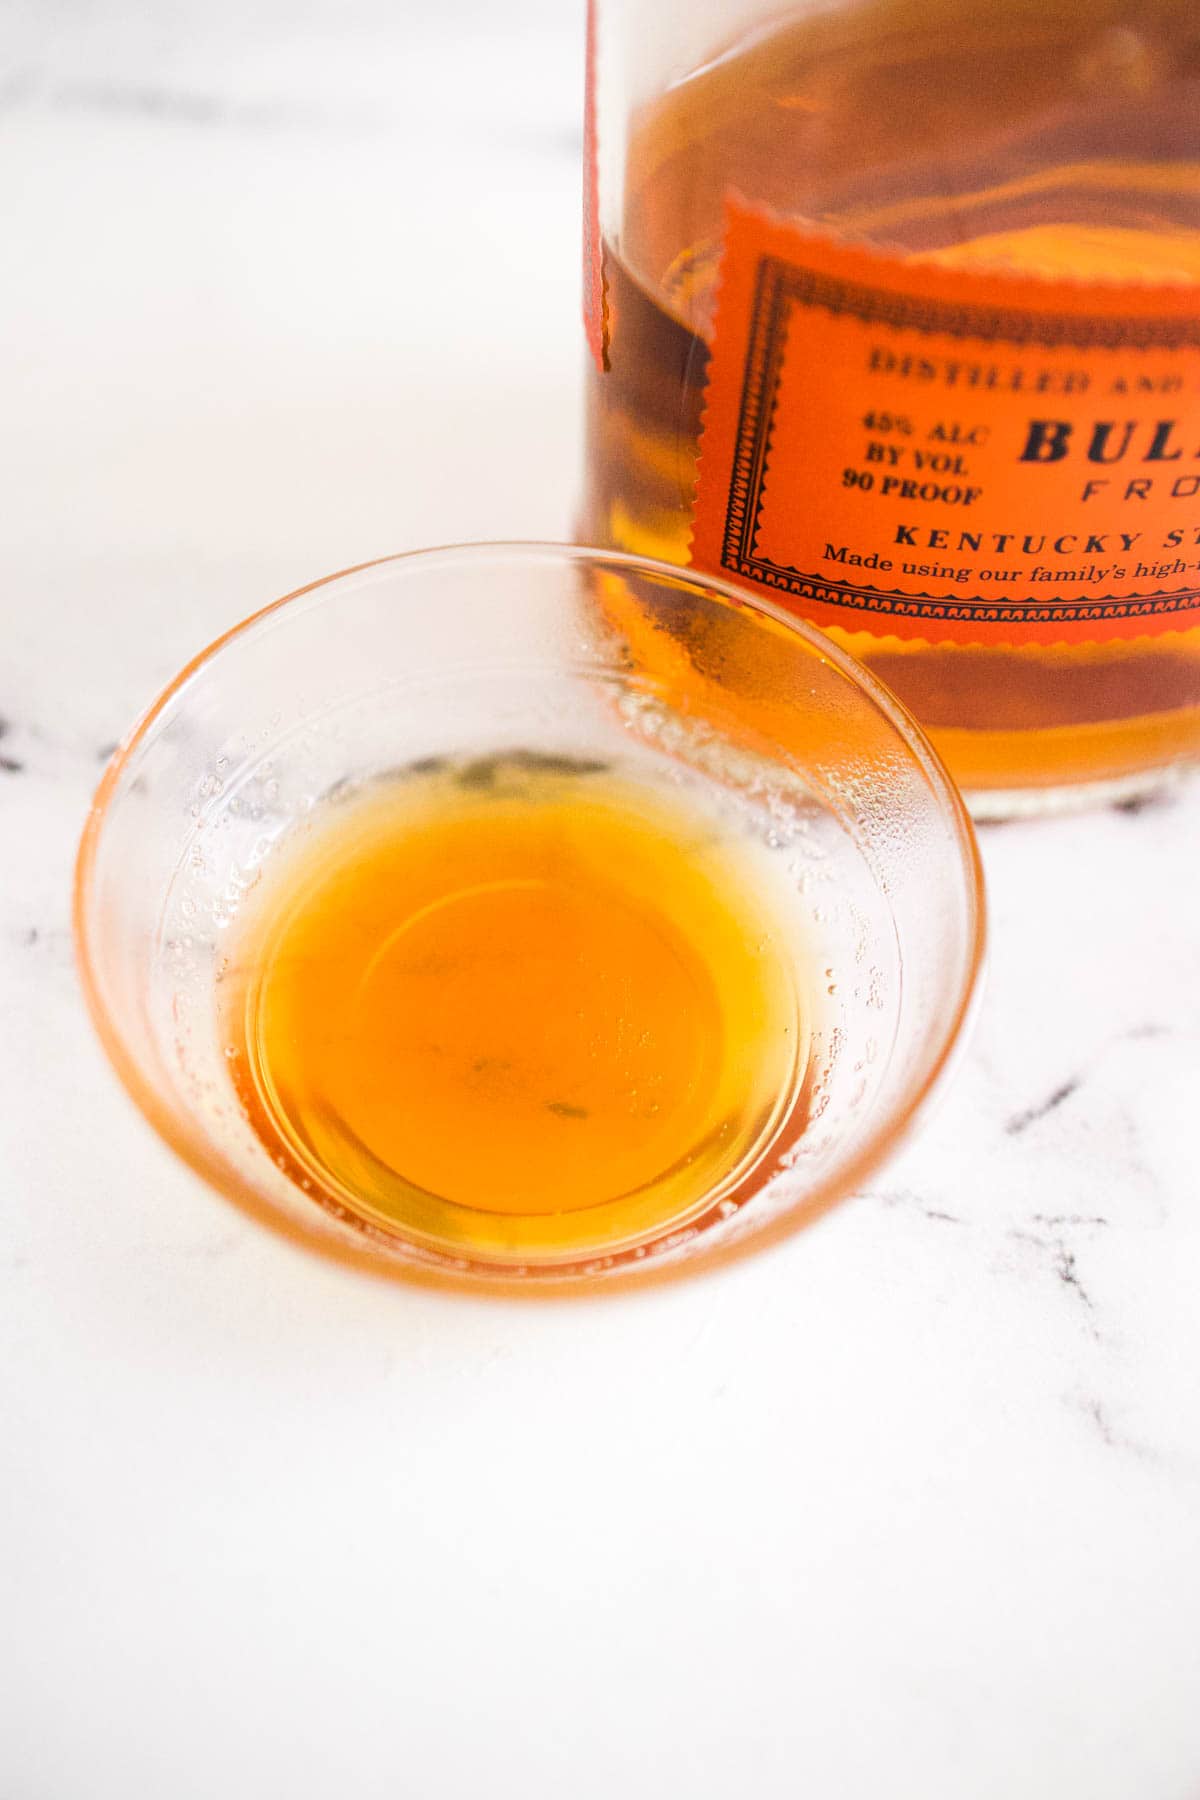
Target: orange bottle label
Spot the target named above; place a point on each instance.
(593, 254)
(927, 452)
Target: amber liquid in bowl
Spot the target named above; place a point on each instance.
(520, 1007)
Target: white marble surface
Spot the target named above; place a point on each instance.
(908, 1508)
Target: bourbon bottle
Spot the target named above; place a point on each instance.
(894, 317)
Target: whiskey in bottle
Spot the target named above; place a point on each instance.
(895, 318)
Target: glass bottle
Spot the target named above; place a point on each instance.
(894, 311)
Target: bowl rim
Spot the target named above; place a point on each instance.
(880, 1144)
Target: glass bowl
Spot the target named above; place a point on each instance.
(549, 652)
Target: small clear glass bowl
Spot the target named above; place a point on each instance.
(684, 684)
